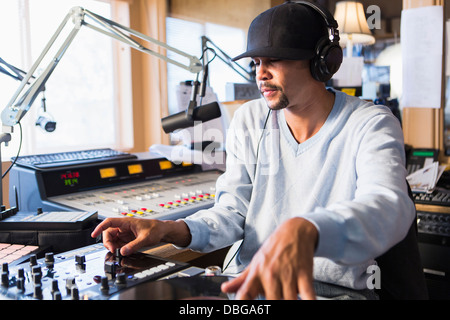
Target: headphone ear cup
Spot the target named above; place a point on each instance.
(327, 60)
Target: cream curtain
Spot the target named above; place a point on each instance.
(148, 73)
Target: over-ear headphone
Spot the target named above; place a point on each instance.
(328, 53)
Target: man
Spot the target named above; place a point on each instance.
(315, 183)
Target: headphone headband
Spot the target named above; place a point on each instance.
(327, 16)
(328, 56)
(332, 24)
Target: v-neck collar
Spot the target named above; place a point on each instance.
(299, 148)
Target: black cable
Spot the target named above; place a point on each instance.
(234, 255)
(18, 152)
(260, 139)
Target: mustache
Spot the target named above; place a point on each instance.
(268, 86)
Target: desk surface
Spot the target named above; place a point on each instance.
(168, 251)
(432, 208)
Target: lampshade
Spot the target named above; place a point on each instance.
(352, 24)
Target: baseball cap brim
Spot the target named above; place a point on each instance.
(278, 53)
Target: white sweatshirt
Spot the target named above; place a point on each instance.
(349, 179)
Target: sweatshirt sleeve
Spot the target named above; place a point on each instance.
(223, 224)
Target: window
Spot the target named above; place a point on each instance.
(186, 36)
(80, 93)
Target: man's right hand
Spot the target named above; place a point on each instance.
(131, 234)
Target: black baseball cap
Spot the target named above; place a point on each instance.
(289, 31)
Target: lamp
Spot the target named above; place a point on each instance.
(353, 27)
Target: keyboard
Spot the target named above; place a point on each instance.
(438, 198)
(51, 220)
(51, 160)
(17, 253)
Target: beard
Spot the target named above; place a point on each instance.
(281, 103)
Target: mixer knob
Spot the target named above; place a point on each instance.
(49, 259)
(33, 260)
(37, 293)
(5, 267)
(57, 295)
(121, 279)
(54, 285)
(5, 280)
(110, 267)
(20, 284)
(118, 255)
(21, 273)
(213, 271)
(70, 282)
(36, 269)
(104, 284)
(80, 259)
(75, 294)
(37, 278)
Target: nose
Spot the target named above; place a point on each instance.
(262, 72)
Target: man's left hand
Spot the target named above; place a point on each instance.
(283, 266)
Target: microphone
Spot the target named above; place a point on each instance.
(45, 119)
(46, 122)
(181, 120)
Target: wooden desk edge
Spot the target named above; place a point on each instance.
(168, 251)
(432, 208)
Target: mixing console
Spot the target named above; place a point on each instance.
(87, 273)
(146, 187)
(169, 198)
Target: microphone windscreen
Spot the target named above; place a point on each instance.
(207, 112)
(202, 113)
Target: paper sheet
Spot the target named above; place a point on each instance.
(422, 41)
(425, 179)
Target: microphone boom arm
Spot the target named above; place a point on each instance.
(19, 104)
(247, 75)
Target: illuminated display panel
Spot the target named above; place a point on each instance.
(135, 169)
(108, 173)
(164, 165)
(70, 178)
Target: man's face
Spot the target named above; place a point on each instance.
(280, 81)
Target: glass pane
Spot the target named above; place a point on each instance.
(79, 94)
(186, 36)
(11, 52)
